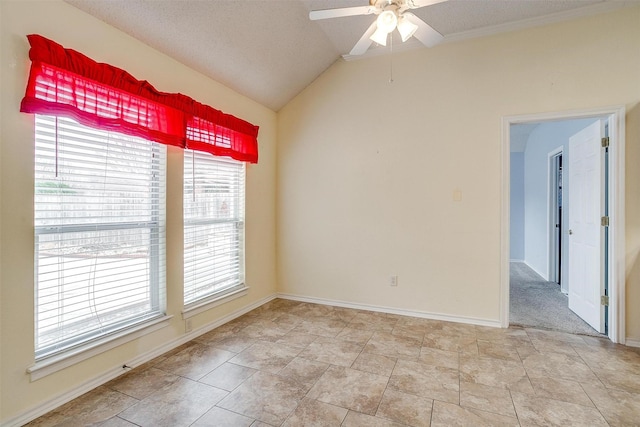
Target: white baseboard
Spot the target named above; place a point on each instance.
(544, 276)
(391, 310)
(632, 342)
(116, 371)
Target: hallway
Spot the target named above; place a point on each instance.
(534, 302)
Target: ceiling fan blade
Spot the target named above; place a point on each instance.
(427, 35)
(414, 4)
(314, 15)
(364, 42)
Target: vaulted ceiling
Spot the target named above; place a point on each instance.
(269, 50)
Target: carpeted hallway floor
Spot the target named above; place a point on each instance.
(537, 303)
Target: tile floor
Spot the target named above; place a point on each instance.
(297, 364)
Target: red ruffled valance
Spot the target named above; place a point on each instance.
(68, 83)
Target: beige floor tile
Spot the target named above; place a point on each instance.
(177, 404)
(539, 411)
(492, 372)
(195, 362)
(343, 313)
(555, 365)
(469, 348)
(375, 364)
(512, 336)
(450, 415)
(421, 379)
(218, 334)
(450, 341)
(620, 408)
(306, 372)
(227, 376)
(350, 388)
(297, 339)
(288, 320)
(374, 321)
(486, 398)
(418, 322)
(117, 422)
(541, 334)
(437, 357)
(140, 384)
(413, 332)
(266, 397)
(308, 310)
(321, 326)
(454, 328)
(390, 345)
(94, 407)
(358, 336)
(619, 379)
(234, 344)
(218, 417)
(602, 342)
(266, 330)
(177, 350)
(615, 358)
(152, 363)
(551, 346)
(332, 350)
(526, 350)
(498, 350)
(266, 361)
(405, 408)
(227, 330)
(266, 356)
(312, 413)
(356, 419)
(559, 389)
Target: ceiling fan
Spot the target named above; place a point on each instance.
(392, 14)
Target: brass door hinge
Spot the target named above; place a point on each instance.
(604, 300)
(605, 142)
(604, 221)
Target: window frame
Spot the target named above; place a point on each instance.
(56, 355)
(216, 297)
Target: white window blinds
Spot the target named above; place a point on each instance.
(99, 233)
(213, 225)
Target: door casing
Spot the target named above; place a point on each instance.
(616, 241)
(555, 250)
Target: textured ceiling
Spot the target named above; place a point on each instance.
(269, 50)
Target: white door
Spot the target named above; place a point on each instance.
(585, 242)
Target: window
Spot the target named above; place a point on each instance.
(213, 226)
(99, 233)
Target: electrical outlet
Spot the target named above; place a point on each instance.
(187, 325)
(393, 281)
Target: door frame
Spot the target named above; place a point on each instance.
(552, 208)
(616, 273)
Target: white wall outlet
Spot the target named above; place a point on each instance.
(393, 281)
(187, 325)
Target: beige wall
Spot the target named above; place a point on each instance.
(72, 28)
(365, 177)
(367, 169)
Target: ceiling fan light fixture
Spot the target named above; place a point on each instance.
(387, 21)
(380, 37)
(406, 28)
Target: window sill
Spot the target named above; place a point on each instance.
(61, 361)
(214, 301)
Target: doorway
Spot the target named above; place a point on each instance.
(555, 216)
(613, 249)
